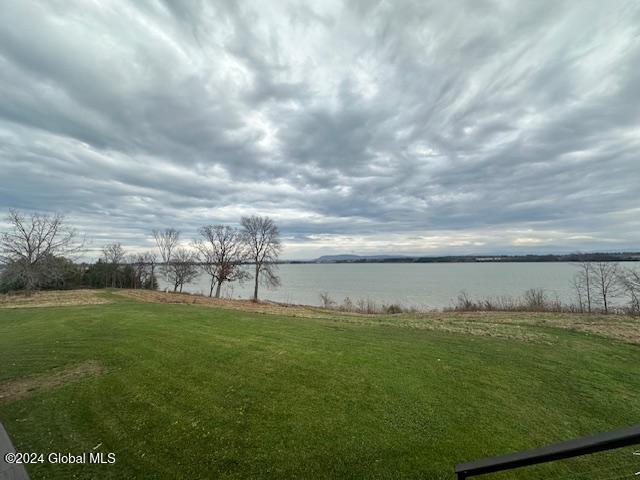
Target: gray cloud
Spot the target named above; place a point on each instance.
(414, 127)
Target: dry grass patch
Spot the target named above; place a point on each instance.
(620, 327)
(246, 305)
(445, 322)
(55, 298)
(24, 387)
(512, 325)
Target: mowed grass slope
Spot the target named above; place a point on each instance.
(188, 391)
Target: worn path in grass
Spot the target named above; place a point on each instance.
(195, 391)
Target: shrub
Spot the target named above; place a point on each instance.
(393, 308)
(327, 301)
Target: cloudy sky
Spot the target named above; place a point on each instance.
(359, 126)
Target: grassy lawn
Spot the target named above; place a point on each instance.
(195, 391)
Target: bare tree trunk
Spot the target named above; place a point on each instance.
(29, 286)
(578, 289)
(255, 288)
(211, 288)
(218, 289)
(588, 293)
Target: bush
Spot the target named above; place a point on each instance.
(535, 299)
(532, 300)
(347, 305)
(393, 309)
(326, 300)
(366, 306)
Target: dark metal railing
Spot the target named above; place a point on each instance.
(571, 448)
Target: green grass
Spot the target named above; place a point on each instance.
(200, 392)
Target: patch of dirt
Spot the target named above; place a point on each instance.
(23, 387)
(53, 298)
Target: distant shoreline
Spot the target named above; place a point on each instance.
(566, 258)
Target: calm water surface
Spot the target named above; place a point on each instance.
(434, 285)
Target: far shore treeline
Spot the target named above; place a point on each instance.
(40, 251)
(568, 257)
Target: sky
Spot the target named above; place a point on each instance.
(407, 127)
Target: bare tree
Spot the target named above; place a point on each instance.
(134, 270)
(32, 243)
(606, 276)
(221, 250)
(150, 259)
(138, 269)
(182, 268)
(262, 238)
(166, 241)
(579, 288)
(630, 280)
(583, 283)
(326, 300)
(113, 255)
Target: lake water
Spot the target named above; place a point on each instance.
(430, 285)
